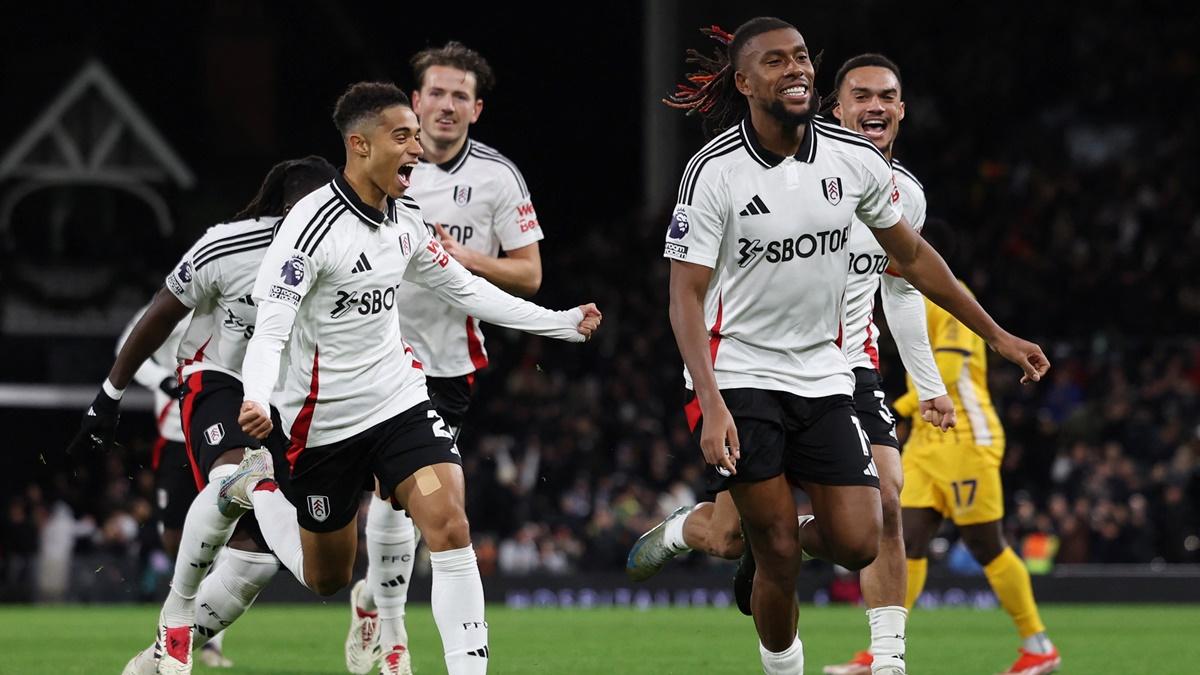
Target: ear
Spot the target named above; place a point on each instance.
(357, 144)
(837, 111)
(901, 111)
(478, 110)
(416, 99)
(741, 82)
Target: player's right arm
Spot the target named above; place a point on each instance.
(693, 243)
(689, 283)
(286, 274)
(171, 304)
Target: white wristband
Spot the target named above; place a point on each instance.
(112, 392)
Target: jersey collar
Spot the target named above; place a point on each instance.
(807, 152)
(455, 163)
(369, 214)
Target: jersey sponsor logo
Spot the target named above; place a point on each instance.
(526, 217)
(895, 190)
(865, 263)
(679, 224)
(289, 296)
(214, 434)
(783, 250)
(462, 195)
(176, 287)
(832, 189)
(676, 250)
(185, 272)
(318, 507)
(405, 244)
(439, 254)
(370, 301)
(235, 323)
(461, 233)
(293, 270)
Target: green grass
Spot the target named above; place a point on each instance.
(301, 639)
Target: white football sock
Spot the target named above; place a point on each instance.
(673, 534)
(391, 545)
(887, 637)
(787, 662)
(1037, 643)
(457, 601)
(277, 519)
(229, 591)
(205, 531)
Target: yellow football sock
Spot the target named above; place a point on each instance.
(917, 570)
(1010, 581)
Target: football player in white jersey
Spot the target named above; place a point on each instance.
(759, 253)
(213, 282)
(353, 395)
(477, 202)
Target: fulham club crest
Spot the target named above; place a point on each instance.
(318, 507)
(405, 244)
(832, 187)
(462, 194)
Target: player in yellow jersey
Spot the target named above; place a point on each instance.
(956, 475)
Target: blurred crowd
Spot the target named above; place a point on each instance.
(1078, 227)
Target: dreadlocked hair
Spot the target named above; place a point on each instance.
(710, 91)
(860, 61)
(286, 183)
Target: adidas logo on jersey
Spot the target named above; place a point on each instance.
(363, 265)
(756, 207)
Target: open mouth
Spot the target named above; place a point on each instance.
(874, 128)
(797, 93)
(404, 175)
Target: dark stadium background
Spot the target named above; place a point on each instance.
(1058, 139)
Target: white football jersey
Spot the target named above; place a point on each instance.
(775, 230)
(481, 199)
(215, 278)
(157, 368)
(868, 261)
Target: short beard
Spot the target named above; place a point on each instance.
(790, 120)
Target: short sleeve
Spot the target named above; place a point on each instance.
(879, 205)
(698, 223)
(912, 204)
(515, 220)
(287, 270)
(187, 282)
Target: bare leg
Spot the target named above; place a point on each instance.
(715, 529)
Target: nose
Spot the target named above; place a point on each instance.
(875, 104)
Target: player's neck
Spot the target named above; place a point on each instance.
(364, 187)
(782, 140)
(440, 153)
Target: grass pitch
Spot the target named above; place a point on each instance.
(277, 639)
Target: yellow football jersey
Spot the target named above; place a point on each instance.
(962, 360)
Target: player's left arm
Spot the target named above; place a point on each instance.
(904, 307)
(432, 267)
(916, 261)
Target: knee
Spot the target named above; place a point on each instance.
(328, 582)
(448, 532)
(857, 549)
(984, 549)
(778, 548)
(892, 527)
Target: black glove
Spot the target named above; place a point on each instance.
(169, 386)
(99, 424)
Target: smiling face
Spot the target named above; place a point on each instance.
(869, 103)
(776, 75)
(446, 104)
(389, 146)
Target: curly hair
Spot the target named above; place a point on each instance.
(365, 99)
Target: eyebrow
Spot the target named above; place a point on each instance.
(867, 90)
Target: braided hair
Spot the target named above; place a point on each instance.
(710, 91)
(287, 183)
